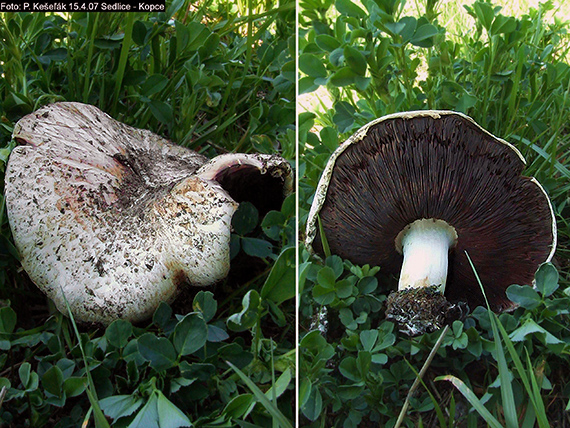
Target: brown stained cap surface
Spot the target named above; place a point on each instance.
(118, 219)
(439, 165)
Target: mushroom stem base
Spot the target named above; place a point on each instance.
(422, 310)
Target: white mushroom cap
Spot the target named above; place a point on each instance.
(116, 219)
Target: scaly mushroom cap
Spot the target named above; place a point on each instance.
(436, 165)
(116, 219)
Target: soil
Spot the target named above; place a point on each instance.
(422, 310)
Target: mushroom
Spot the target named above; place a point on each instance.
(115, 219)
(413, 193)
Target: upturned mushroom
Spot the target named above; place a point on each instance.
(413, 192)
(115, 219)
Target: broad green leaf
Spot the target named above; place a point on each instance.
(162, 111)
(313, 405)
(485, 13)
(289, 71)
(58, 54)
(216, 334)
(367, 285)
(245, 219)
(379, 358)
(503, 25)
(323, 295)
(118, 406)
(531, 327)
(336, 264)
(238, 406)
(344, 116)
(198, 371)
(336, 57)
(235, 354)
(24, 373)
(305, 387)
(31, 378)
(7, 320)
(52, 381)
(329, 138)
(272, 224)
(349, 369)
(368, 339)
(465, 103)
(347, 7)
(5, 382)
(248, 315)
(344, 288)
(524, 295)
(153, 84)
(118, 333)
(107, 43)
(423, 37)
(173, 7)
(350, 392)
(312, 66)
(546, 279)
(170, 416)
(182, 36)
(280, 284)
(395, 27)
(347, 319)
(148, 415)
(139, 33)
(162, 315)
(313, 340)
(256, 247)
(157, 350)
(363, 361)
(405, 28)
(326, 42)
(307, 84)
(180, 382)
(205, 303)
(190, 334)
(209, 46)
(344, 77)
(74, 386)
(198, 33)
(355, 60)
(326, 278)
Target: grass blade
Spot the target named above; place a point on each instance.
(534, 394)
(100, 420)
(324, 242)
(507, 394)
(420, 376)
(262, 398)
(437, 407)
(93, 20)
(123, 58)
(473, 400)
